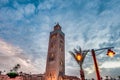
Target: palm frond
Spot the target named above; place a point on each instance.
(74, 56)
(80, 50)
(76, 51)
(72, 53)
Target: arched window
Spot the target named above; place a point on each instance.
(51, 57)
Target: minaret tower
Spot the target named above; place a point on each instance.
(55, 65)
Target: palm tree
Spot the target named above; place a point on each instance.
(0, 72)
(119, 77)
(16, 67)
(79, 56)
(13, 73)
(106, 78)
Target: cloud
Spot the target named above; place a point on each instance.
(112, 64)
(89, 70)
(45, 6)
(8, 49)
(11, 55)
(29, 9)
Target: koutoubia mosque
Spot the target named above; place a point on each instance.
(55, 65)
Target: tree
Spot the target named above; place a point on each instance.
(119, 77)
(13, 72)
(16, 67)
(106, 78)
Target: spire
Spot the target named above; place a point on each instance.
(57, 27)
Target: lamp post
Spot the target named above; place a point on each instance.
(110, 53)
(80, 56)
(96, 65)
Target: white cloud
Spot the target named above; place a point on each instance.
(45, 5)
(110, 64)
(8, 50)
(29, 9)
(11, 55)
(89, 70)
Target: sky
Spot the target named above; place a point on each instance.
(91, 24)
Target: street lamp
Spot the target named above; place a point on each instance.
(109, 53)
(79, 56)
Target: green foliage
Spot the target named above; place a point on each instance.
(12, 74)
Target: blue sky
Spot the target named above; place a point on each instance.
(25, 27)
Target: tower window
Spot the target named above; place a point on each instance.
(52, 45)
(61, 63)
(61, 37)
(53, 36)
(51, 57)
(60, 49)
(61, 41)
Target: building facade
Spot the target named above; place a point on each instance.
(55, 65)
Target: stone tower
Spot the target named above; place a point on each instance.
(55, 65)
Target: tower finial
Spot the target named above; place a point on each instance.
(57, 26)
(56, 23)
